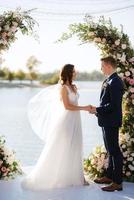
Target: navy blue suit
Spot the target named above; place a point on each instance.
(109, 115)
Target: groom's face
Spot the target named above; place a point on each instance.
(104, 68)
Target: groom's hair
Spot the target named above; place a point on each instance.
(109, 60)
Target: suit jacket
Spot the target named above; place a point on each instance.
(109, 112)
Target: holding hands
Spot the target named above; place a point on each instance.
(91, 109)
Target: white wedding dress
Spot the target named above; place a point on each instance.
(61, 162)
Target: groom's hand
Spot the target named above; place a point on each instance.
(93, 110)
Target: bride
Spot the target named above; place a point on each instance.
(54, 115)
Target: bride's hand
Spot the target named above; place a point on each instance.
(88, 108)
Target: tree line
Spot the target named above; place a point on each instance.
(47, 78)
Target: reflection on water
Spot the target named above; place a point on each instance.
(19, 135)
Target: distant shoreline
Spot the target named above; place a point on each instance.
(20, 85)
(23, 84)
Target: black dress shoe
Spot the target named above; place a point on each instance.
(103, 180)
(113, 187)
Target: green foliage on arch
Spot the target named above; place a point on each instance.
(13, 21)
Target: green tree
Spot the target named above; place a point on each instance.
(20, 75)
(52, 78)
(10, 76)
(2, 74)
(32, 64)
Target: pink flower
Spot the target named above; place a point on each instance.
(131, 59)
(128, 174)
(131, 81)
(132, 96)
(1, 162)
(4, 35)
(132, 90)
(3, 169)
(126, 78)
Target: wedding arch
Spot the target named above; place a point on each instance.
(10, 23)
(112, 42)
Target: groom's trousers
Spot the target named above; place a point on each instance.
(115, 162)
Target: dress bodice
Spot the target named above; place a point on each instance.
(73, 97)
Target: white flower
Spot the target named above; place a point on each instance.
(1, 60)
(131, 159)
(125, 154)
(133, 101)
(131, 90)
(132, 154)
(132, 70)
(1, 41)
(103, 150)
(13, 28)
(98, 168)
(131, 167)
(0, 28)
(117, 42)
(128, 173)
(118, 69)
(6, 27)
(15, 24)
(123, 57)
(103, 40)
(7, 152)
(125, 95)
(98, 39)
(121, 75)
(123, 146)
(127, 73)
(5, 42)
(102, 156)
(118, 55)
(91, 34)
(124, 46)
(9, 33)
(131, 59)
(127, 135)
(10, 160)
(89, 168)
(16, 15)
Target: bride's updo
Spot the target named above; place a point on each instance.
(66, 74)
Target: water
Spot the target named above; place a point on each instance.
(19, 135)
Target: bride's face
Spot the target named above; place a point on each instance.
(74, 74)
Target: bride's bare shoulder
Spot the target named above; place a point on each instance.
(63, 88)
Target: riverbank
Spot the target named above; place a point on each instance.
(21, 85)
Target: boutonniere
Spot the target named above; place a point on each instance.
(104, 86)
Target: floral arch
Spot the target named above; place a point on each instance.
(114, 42)
(10, 23)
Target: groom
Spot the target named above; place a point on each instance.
(109, 115)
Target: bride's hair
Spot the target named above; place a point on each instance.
(66, 74)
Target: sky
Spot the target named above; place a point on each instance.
(54, 17)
